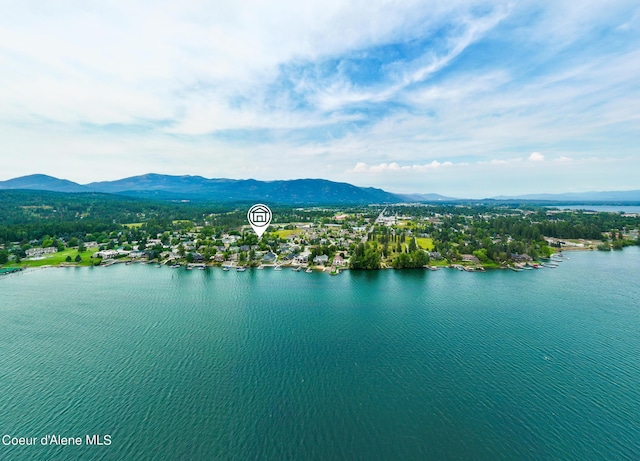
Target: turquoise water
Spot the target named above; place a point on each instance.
(386, 365)
(604, 208)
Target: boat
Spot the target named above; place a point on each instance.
(261, 266)
(277, 268)
(175, 266)
(202, 267)
(308, 271)
(158, 265)
(297, 269)
(225, 268)
(241, 269)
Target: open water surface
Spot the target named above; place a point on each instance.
(386, 365)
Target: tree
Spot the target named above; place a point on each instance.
(68, 259)
(415, 259)
(189, 257)
(366, 256)
(78, 258)
(481, 254)
(402, 261)
(412, 245)
(4, 257)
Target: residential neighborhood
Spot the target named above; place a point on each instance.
(323, 238)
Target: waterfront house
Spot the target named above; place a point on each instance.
(322, 259)
(339, 261)
(470, 258)
(39, 252)
(106, 254)
(301, 258)
(269, 257)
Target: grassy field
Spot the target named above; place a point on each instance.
(425, 243)
(491, 265)
(133, 225)
(439, 262)
(58, 258)
(284, 233)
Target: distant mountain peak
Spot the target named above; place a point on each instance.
(42, 182)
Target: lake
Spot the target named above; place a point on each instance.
(601, 208)
(385, 365)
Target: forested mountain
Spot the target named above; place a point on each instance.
(42, 182)
(289, 192)
(166, 187)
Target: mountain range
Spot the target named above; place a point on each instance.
(296, 191)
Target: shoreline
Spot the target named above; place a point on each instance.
(542, 263)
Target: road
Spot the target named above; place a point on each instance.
(378, 219)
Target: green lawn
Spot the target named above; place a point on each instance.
(57, 258)
(133, 225)
(425, 243)
(439, 262)
(491, 265)
(284, 233)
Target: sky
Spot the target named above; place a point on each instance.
(458, 97)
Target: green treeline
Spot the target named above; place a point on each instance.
(365, 256)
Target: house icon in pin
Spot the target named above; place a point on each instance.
(259, 215)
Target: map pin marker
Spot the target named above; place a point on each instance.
(259, 217)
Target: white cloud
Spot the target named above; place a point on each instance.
(563, 159)
(362, 167)
(536, 157)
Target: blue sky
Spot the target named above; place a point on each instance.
(462, 98)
